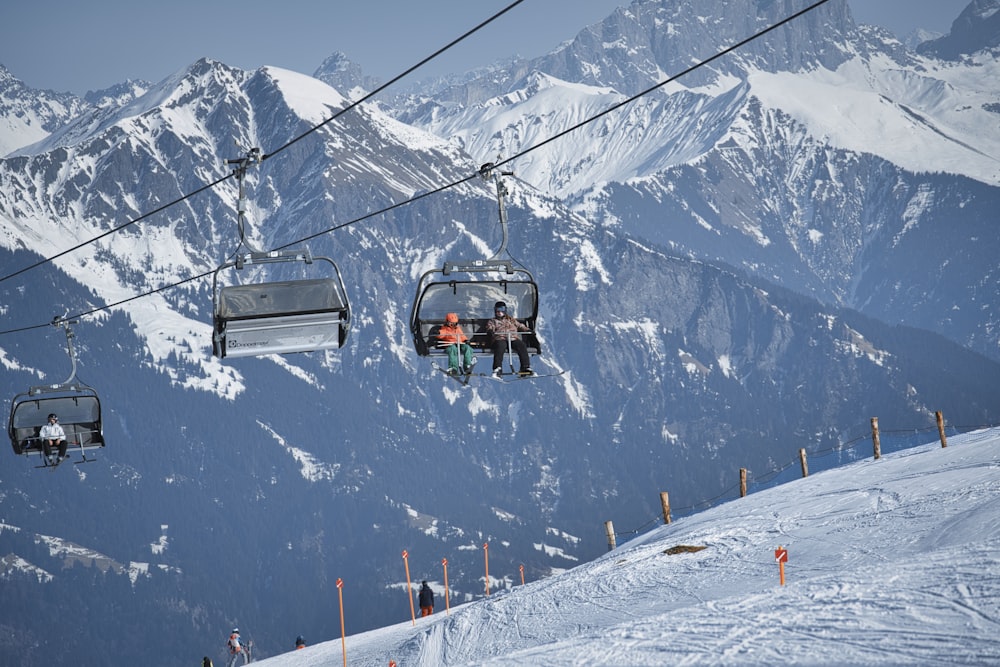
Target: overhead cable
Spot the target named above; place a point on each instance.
(448, 186)
(279, 149)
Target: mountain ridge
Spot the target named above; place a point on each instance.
(251, 485)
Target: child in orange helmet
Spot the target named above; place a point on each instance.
(455, 342)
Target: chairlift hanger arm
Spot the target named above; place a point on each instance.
(240, 165)
(488, 172)
(61, 321)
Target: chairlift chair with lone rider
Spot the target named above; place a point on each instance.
(76, 404)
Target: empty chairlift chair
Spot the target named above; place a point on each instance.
(280, 317)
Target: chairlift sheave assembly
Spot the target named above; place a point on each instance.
(281, 316)
(77, 406)
(470, 288)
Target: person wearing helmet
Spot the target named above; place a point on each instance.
(53, 435)
(237, 648)
(451, 337)
(503, 336)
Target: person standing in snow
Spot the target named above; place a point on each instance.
(455, 342)
(237, 648)
(299, 642)
(426, 599)
(206, 662)
(503, 328)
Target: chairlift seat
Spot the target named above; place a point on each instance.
(79, 411)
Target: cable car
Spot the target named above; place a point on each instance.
(282, 316)
(470, 289)
(77, 406)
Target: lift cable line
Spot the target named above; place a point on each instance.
(118, 228)
(262, 157)
(615, 107)
(473, 176)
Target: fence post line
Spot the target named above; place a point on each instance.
(743, 482)
(876, 444)
(940, 423)
(609, 529)
(665, 504)
(805, 464)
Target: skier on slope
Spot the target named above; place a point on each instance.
(237, 648)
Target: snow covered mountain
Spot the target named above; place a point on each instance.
(808, 157)
(238, 491)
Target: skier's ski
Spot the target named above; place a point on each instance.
(461, 378)
(517, 377)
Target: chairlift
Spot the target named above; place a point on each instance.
(281, 316)
(470, 288)
(76, 404)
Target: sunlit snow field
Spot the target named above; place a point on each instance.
(894, 561)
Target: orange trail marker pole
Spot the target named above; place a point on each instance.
(343, 640)
(781, 555)
(409, 589)
(522, 575)
(447, 598)
(486, 556)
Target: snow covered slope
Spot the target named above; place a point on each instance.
(890, 562)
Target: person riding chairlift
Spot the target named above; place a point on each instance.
(503, 328)
(455, 340)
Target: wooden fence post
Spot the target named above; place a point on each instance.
(743, 482)
(875, 441)
(940, 423)
(665, 504)
(802, 459)
(609, 528)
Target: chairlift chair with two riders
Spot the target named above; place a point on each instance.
(77, 406)
(470, 289)
(280, 316)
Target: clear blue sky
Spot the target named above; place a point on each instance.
(80, 46)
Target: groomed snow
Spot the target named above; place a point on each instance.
(891, 562)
